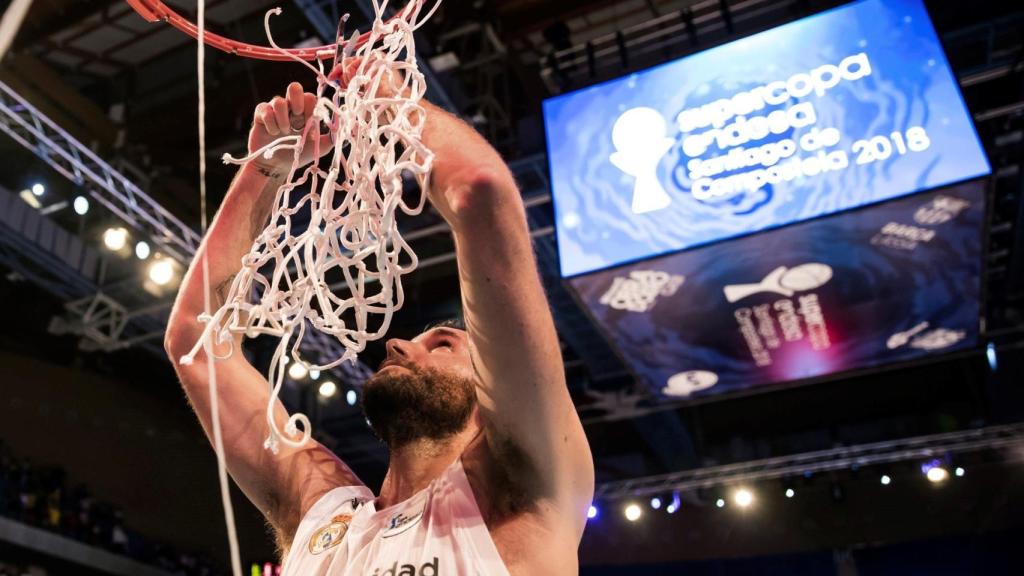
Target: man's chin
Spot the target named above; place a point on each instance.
(404, 404)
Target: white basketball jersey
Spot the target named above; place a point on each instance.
(437, 532)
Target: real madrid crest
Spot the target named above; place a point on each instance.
(331, 535)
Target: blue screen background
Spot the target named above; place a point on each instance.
(910, 85)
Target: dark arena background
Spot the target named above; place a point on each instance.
(782, 241)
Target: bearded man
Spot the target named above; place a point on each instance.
(490, 471)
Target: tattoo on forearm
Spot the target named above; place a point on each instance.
(269, 173)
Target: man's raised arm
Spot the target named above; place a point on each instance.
(531, 420)
(285, 485)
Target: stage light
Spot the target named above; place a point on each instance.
(673, 506)
(990, 353)
(161, 272)
(351, 397)
(38, 189)
(327, 389)
(885, 480)
(633, 512)
(115, 238)
(937, 474)
(30, 199)
(592, 512)
(81, 205)
(656, 503)
(959, 472)
(790, 492)
(297, 371)
(743, 498)
(720, 502)
(142, 250)
(314, 374)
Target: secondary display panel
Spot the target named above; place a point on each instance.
(883, 284)
(849, 107)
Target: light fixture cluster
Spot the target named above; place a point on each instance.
(936, 471)
(326, 389)
(161, 271)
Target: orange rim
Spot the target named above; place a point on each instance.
(155, 11)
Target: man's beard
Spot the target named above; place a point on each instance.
(403, 406)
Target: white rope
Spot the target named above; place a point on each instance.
(353, 205)
(211, 371)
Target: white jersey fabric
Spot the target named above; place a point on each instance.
(437, 532)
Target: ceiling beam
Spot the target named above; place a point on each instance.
(42, 86)
(49, 18)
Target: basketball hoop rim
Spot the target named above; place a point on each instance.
(155, 11)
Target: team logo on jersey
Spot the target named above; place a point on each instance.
(329, 536)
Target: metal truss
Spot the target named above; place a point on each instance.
(33, 130)
(103, 321)
(919, 447)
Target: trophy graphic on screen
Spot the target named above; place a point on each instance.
(640, 144)
(783, 281)
(900, 339)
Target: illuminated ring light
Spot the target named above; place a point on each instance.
(155, 11)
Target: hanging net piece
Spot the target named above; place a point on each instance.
(337, 217)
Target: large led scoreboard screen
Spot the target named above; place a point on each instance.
(849, 107)
(887, 284)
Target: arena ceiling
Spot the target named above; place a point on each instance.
(127, 89)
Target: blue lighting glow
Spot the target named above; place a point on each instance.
(673, 506)
(990, 353)
(656, 503)
(592, 512)
(934, 463)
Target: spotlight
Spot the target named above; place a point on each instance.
(297, 371)
(990, 353)
(673, 506)
(656, 503)
(885, 480)
(314, 374)
(351, 397)
(743, 498)
(592, 512)
(38, 189)
(328, 389)
(115, 238)
(142, 250)
(937, 474)
(81, 205)
(959, 472)
(633, 512)
(161, 272)
(720, 502)
(30, 199)
(790, 492)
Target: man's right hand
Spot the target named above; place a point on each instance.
(286, 116)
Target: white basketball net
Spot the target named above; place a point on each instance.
(353, 230)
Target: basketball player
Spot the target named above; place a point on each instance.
(490, 472)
